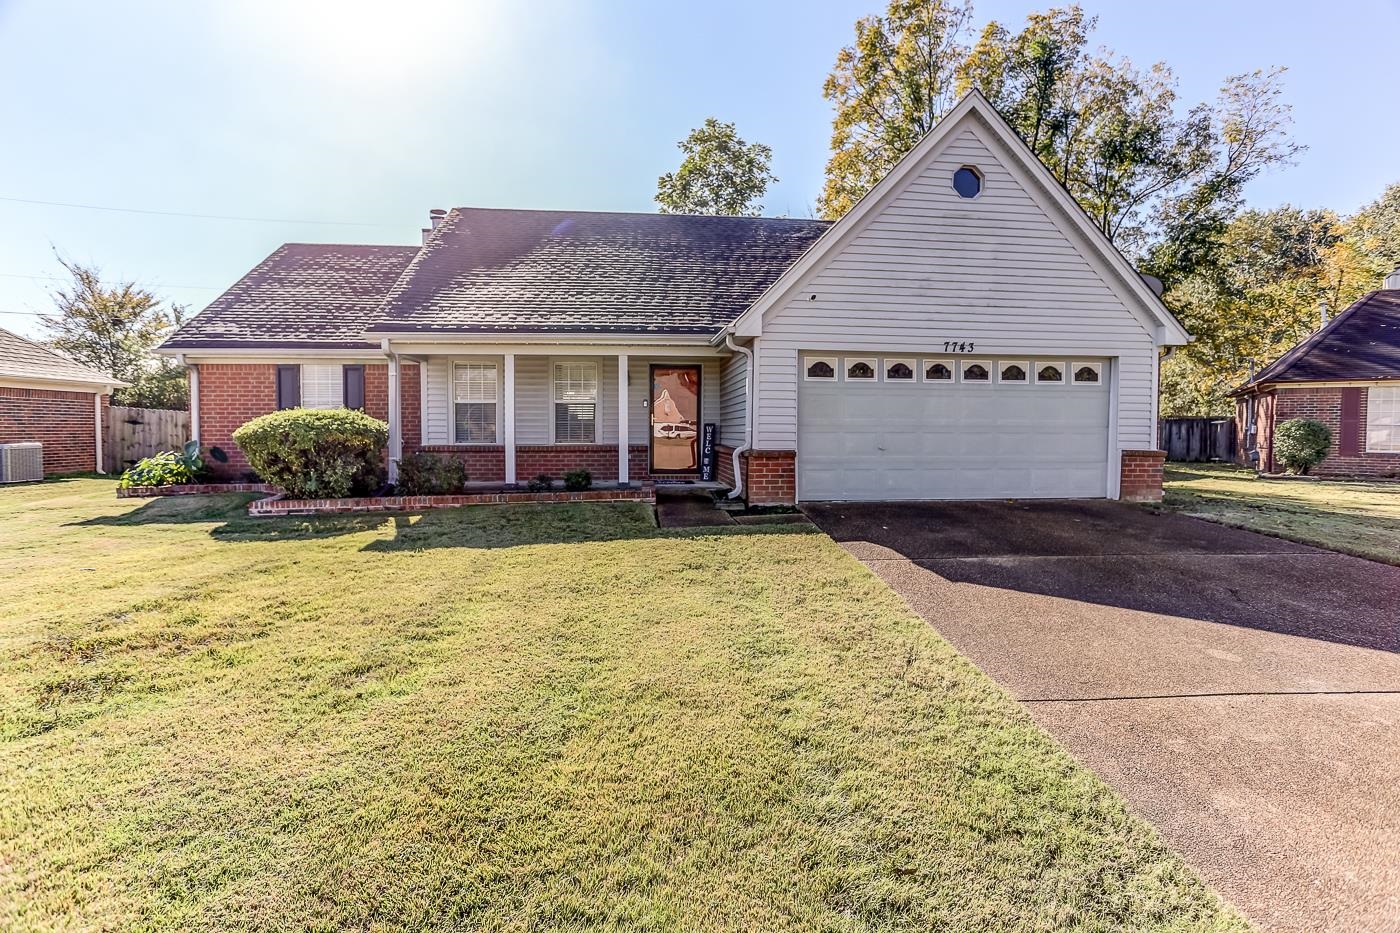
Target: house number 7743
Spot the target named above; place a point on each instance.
(959, 346)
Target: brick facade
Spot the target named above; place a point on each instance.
(1324, 404)
(770, 477)
(487, 462)
(62, 421)
(232, 394)
(1140, 478)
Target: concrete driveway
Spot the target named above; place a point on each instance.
(1242, 692)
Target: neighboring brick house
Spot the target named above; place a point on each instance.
(1345, 375)
(964, 332)
(46, 397)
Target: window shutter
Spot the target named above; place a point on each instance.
(1349, 443)
(354, 377)
(288, 386)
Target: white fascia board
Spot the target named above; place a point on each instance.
(1160, 323)
(542, 339)
(544, 348)
(273, 355)
(62, 385)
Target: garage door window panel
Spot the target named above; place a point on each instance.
(977, 372)
(1087, 374)
(1050, 374)
(899, 370)
(819, 368)
(860, 369)
(938, 371)
(1013, 372)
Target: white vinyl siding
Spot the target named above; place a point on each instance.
(1383, 419)
(733, 406)
(475, 398)
(322, 385)
(999, 272)
(575, 403)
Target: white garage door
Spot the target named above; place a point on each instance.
(951, 428)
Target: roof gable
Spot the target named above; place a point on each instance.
(1361, 343)
(500, 271)
(24, 359)
(975, 122)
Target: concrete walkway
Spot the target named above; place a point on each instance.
(1242, 692)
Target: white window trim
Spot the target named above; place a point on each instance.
(1392, 404)
(981, 182)
(339, 382)
(554, 399)
(452, 400)
(886, 363)
(848, 361)
(1025, 368)
(1075, 367)
(988, 365)
(1040, 364)
(833, 362)
(926, 365)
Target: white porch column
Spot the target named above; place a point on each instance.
(622, 444)
(509, 420)
(395, 419)
(97, 430)
(194, 401)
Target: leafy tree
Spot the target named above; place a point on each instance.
(113, 329)
(1110, 132)
(1375, 231)
(720, 174)
(889, 88)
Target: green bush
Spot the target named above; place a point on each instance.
(316, 454)
(167, 468)
(1301, 444)
(578, 480)
(430, 475)
(542, 483)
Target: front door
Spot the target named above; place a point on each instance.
(675, 419)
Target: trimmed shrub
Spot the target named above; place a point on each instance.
(1301, 444)
(167, 468)
(425, 474)
(578, 480)
(542, 483)
(316, 454)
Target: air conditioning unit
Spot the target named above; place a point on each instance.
(21, 463)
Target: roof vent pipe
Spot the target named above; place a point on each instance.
(1322, 313)
(435, 217)
(1393, 280)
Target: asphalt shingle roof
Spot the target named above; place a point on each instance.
(1363, 342)
(303, 295)
(486, 270)
(26, 359)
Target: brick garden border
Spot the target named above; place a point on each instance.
(277, 505)
(195, 489)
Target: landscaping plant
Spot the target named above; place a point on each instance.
(541, 483)
(1301, 444)
(424, 474)
(578, 480)
(316, 454)
(167, 468)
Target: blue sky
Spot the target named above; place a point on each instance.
(363, 115)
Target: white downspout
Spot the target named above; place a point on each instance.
(748, 414)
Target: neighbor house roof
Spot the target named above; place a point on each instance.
(492, 271)
(303, 295)
(1361, 343)
(26, 361)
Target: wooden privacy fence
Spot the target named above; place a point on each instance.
(1197, 439)
(133, 433)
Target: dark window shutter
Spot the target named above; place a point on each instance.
(288, 386)
(354, 377)
(1349, 443)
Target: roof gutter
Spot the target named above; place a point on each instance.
(748, 414)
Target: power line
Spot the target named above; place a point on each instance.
(137, 210)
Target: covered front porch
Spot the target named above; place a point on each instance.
(512, 412)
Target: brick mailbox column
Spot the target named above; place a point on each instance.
(1141, 478)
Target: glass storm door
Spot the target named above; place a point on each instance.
(675, 419)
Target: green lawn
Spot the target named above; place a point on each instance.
(547, 717)
(1354, 518)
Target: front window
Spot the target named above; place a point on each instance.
(322, 386)
(474, 387)
(1383, 419)
(575, 403)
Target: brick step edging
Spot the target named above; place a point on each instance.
(277, 505)
(194, 489)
